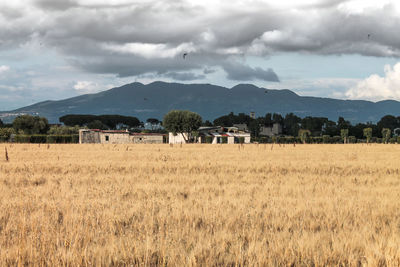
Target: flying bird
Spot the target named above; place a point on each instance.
(369, 35)
(185, 55)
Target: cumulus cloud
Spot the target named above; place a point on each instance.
(241, 72)
(130, 37)
(88, 87)
(376, 87)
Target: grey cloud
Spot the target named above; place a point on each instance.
(184, 76)
(208, 71)
(240, 72)
(80, 33)
(56, 4)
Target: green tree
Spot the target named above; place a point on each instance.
(304, 135)
(254, 127)
(388, 121)
(344, 133)
(31, 124)
(110, 120)
(291, 124)
(207, 123)
(5, 134)
(386, 133)
(277, 118)
(63, 130)
(153, 121)
(314, 124)
(97, 124)
(182, 121)
(368, 134)
(1, 123)
(343, 124)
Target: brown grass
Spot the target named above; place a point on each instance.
(303, 205)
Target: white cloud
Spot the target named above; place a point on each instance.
(378, 88)
(84, 87)
(120, 33)
(4, 69)
(148, 51)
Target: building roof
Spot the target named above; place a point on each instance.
(147, 134)
(122, 132)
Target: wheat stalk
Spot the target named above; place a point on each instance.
(7, 159)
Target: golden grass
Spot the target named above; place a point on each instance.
(101, 205)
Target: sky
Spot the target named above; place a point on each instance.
(55, 49)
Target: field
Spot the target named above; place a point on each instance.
(190, 205)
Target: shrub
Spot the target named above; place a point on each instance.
(209, 139)
(352, 139)
(241, 140)
(344, 133)
(326, 139)
(304, 135)
(386, 133)
(63, 139)
(5, 134)
(22, 139)
(38, 139)
(368, 134)
(317, 140)
(224, 139)
(336, 139)
(286, 139)
(398, 139)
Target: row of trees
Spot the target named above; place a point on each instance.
(317, 126)
(186, 121)
(35, 129)
(305, 136)
(100, 121)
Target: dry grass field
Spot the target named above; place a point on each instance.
(200, 205)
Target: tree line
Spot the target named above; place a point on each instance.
(316, 126)
(175, 121)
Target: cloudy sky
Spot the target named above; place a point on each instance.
(54, 49)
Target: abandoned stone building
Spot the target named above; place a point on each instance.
(275, 129)
(95, 136)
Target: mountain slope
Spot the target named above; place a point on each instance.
(210, 101)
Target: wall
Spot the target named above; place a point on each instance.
(146, 139)
(89, 137)
(114, 138)
(178, 138)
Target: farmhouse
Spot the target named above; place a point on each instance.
(213, 135)
(96, 136)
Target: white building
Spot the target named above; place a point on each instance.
(214, 135)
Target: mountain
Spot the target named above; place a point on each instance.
(154, 100)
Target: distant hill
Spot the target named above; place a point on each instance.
(154, 100)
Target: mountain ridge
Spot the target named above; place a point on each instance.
(155, 99)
